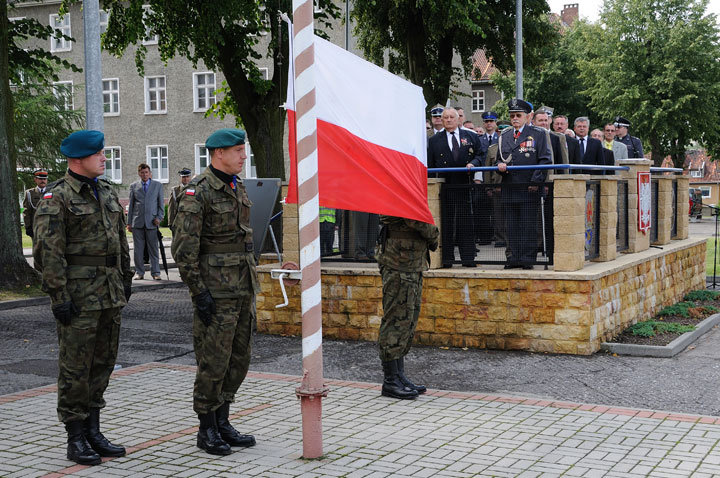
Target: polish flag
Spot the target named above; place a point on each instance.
(371, 137)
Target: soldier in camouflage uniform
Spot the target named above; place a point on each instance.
(213, 247)
(185, 174)
(403, 255)
(82, 251)
(32, 199)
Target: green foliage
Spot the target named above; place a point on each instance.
(702, 295)
(650, 328)
(681, 308)
(421, 37)
(656, 63)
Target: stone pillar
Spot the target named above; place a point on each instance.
(637, 240)
(683, 203)
(608, 219)
(569, 222)
(291, 234)
(434, 204)
(665, 210)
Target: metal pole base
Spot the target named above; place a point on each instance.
(311, 409)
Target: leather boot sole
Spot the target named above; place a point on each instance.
(116, 454)
(386, 393)
(241, 443)
(213, 451)
(81, 461)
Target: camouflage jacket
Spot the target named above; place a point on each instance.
(30, 204)
(172, 204)
(72, 226)
(404, 244)
(212, 239)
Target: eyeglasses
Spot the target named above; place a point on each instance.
(609, 130)
(516, 115)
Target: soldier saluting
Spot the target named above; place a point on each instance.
(82, 252)
(213, 247)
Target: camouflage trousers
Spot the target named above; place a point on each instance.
(402, 294)
(88, 349)
(222, 352)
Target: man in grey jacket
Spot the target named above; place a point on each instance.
(145, 212)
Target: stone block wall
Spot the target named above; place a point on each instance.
(540, 311)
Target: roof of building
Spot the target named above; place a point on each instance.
(482, 66)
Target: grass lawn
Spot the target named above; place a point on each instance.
(32, 291)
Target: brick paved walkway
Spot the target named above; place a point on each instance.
(442, 433)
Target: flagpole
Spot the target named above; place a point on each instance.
(312, 387)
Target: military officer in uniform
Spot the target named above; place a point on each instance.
(213, 247)
(32, 199)
(402, 254)
(82, 252)
(185, 174)
(521, 144)
(634, 145)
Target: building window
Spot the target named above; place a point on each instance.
(113, 164)
(478, 101)
(203, 91)
(202, 158)
(265, 73)
(705, 192)
(103, 21)
(111, 96)
(155, 95)
(60, 25)
(696, 173)
(157, 158)
(63, 90)
(150, 38)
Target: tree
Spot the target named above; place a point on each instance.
(230, 36)
(15, 272)
(422, 37)
(656, 62)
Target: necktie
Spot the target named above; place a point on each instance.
(582, 145)
(145, 185)
(517, 134)
(489, 138)
(456, 147)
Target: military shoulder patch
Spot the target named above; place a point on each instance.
(47, 195)
(189, 192)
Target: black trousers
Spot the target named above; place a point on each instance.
(521, 217)
(457, 224)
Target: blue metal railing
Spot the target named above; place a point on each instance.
(536, 166)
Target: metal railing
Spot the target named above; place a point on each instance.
(621, 231)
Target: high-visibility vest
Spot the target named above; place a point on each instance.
(327, 214)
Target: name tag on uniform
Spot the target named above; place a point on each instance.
(189, 192)
(47, 196)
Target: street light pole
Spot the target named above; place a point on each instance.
(93, 66)
(518, 51)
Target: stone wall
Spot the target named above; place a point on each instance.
(540, 311)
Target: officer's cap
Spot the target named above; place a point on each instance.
(437, 110)
(489, 116)
(184, 172)
(224, 138)
(545, 109)
(620, 121)
(40, 174)
(83, 143)
(519, 106)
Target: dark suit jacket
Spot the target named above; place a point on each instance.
(574, 154)
(593, 154)
(440, 156)
(144, 207)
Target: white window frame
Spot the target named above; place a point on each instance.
(265, 72)
(71, 106)
(696, 173)
(113, 159)
(476, 99)
(199, 147)
(60, 44)
(111, 92)
(210, 90)
(153, 40)
(157, 90)
(157, 173)
(705, 191)
(104, 20)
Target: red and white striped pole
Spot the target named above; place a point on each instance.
(312, 388)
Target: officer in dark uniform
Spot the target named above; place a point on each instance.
(522, 144)
(436, 120)
(32, 198)
(185, 174)
(82, 251)
(634, 145)
(213, 247)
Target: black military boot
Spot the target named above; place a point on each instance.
(78, 449)
(98, 442)
(392, 386)
(228, 432)
(420, 389)
(209, 438)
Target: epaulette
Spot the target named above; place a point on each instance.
(54, 183)
(109, 183)
(196, 179)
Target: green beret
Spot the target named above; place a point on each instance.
(224, 138)
(83, 143)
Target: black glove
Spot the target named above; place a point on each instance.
(205, 306)
(128, 292)
(29, 233)
(64, 312)
(433, 245)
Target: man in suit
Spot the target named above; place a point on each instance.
(32, 199)
(560, 125)
(619, 149)
(456, 148)
(634, 145)
(591, 150)
(558, 141)
(608, 154)
(145, 213)
(520, 145)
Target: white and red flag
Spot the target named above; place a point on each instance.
(371, 137)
